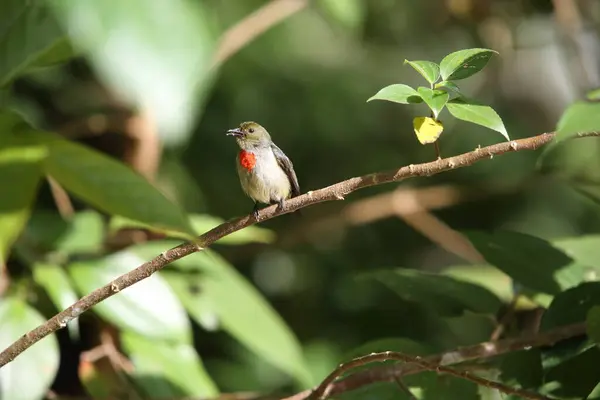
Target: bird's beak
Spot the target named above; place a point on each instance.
(235, 132)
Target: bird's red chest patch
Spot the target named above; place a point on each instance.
(247, 160)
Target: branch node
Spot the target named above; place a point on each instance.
(165, 255)
(491, 155)
(309, 194)
(451, 164)
(339, 196)
(76, 312)
(411, 168)
(62, 322)
(114, 287)
(514, 145)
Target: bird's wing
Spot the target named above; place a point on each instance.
(287, 166)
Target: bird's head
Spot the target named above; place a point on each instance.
(250, 135)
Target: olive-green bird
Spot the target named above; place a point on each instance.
(266, 174)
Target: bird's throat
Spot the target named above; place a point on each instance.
(247, 160)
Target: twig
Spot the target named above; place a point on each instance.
(61, 199)
(323, 390)
(378, 207)
(253, 25)
(144, 151)
(439, 232)
(506, 318)
(405, 388)
(470, 353)
(330, 193)
(412, 205)
(4, 278)
(476, 352)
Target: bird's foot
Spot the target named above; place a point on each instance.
(280, 205)
(255, 211)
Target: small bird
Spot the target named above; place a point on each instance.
(266, 173)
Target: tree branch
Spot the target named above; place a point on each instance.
(254, 25)
(330, 193)
(323, 390)
(456, 356)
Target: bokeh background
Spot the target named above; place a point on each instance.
(307, 79)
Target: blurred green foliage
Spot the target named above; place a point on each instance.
(122, 105)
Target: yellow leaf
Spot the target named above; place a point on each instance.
(428, 130)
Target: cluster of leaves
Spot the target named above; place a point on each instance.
(561, 276)
(443, 92)
(463, 302)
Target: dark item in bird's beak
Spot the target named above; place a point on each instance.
(235, 132)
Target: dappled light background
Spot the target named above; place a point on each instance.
(306, 79)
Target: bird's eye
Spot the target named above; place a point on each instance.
(251, 130)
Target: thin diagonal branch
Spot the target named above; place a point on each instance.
(330, 193)
(323, 390)
(254, 25)
(477, 352)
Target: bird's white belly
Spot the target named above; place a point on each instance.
(266, 182)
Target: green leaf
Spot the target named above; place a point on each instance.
(85, 234)
(10, 121)
(55, 282)
(450, 388)
(350, 13)
(435, 99)
(242, 311)
(467, 329)
(398, 93)
(595, 393)
(111, 186)
(39, 361)
(20, 169)
(379, 391)
(215, 294)
(479, 114)
(522, 368)
(29, 37)
(583, 249)
(450, 86)
(593, 94)
(167, 370)
(447, 295)
(189, 290)
(593, 324)
(570, 307)
(575, 377)
(149, 307)
(47, 231)
(464, 63)
(490, 278)
(143, 51)
(580, 117)
(429, 70)
(202, 223)
(529, 260)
